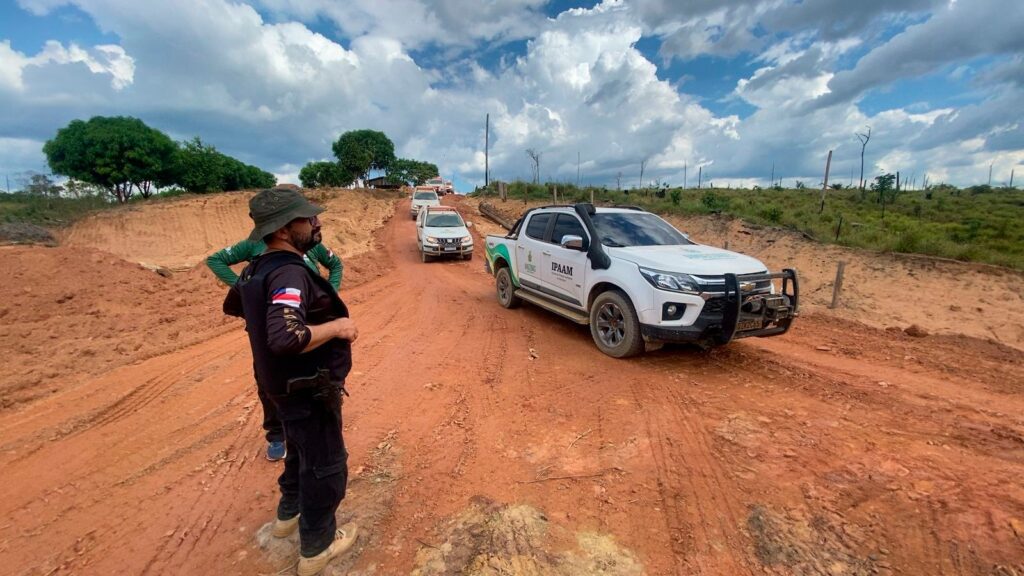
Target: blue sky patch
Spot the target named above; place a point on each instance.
(67, 24)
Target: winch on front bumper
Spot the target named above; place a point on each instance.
(737, 313)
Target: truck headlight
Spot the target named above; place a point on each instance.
(430, 240)
(467, 239)
(671, 281)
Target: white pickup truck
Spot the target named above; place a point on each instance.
(636, 280)
(421, 198)
(441, 231)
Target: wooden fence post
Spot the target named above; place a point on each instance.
(837, 288)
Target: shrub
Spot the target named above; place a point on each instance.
(771, 213)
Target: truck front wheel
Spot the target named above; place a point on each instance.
(614, 325)
(506, 290)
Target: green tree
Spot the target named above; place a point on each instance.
(359, 151)
(199, 167)
(324, 175)
(118, 153)
(414, 172)
(258, 178)
(885, 185)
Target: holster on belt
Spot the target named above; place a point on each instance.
(320, 384)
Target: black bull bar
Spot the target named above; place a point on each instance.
(772, 313)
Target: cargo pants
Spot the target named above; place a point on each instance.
(316, 467)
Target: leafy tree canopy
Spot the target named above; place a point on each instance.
(325, 175)
(359, 151)
(199, 167)
(117, 153)
(414, 172)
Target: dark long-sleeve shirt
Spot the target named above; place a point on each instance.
(220, 262)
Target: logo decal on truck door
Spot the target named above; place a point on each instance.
(561, 269)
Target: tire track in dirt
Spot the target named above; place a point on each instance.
(702, 515)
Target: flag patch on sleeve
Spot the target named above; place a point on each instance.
(287, 296)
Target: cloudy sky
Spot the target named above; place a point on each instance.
(731, 86)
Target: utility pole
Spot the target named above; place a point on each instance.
(487, 150)
(990, 174)
(700, 172)
(772, 183)
(1011, 182)
(577, 168)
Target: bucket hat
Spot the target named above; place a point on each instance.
(273, 208)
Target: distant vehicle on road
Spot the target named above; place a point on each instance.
(441, 232)
(440, 185)
(421, 198)
(635, 279)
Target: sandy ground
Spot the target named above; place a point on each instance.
(493, 441)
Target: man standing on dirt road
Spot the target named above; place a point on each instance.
(301, 338)
(220, 263)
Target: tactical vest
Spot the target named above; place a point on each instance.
(249, 297)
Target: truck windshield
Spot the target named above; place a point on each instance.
(443, 220)
(620, 229)
(425, 196)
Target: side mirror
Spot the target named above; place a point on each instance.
(469, 224)
(572, 242)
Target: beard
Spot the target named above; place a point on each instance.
(304, 242)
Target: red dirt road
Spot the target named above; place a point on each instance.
(836, 449)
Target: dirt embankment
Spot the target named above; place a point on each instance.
(881, 290)
(180, 233)
(87, 307)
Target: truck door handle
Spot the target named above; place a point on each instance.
(546, 253)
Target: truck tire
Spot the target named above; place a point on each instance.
(423, 256)
(506, 289)
(467, 256)
(614, 325)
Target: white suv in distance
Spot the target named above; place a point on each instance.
(421, 198)
(440, 231)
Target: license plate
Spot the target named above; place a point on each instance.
(450, 248)
(744, 325)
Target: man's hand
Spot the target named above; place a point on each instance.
(345, 329)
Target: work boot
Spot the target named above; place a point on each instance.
(285, 528)
(344, 539)
(276, 451)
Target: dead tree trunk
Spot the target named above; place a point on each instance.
(863, 144)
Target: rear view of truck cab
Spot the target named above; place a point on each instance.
(635, 279)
